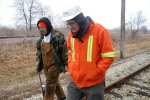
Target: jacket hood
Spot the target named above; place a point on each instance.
(48, 23)
(84, 24)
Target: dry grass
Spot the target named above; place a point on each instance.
(17, 63)
(135, 48)
(10, 32)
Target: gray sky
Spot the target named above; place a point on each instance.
(106, 12)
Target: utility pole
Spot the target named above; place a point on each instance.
(122, 36)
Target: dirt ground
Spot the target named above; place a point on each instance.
(17, 65)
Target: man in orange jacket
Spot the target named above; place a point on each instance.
(90, 55)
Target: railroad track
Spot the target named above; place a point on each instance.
(122, 80)
(17, 37)
(129, 87)
(121, 71)
(14, 40)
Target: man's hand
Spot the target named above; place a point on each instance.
(38, 68)
(66, 69)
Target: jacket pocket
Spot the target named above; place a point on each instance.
(89, 72)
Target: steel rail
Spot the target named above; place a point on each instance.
(17, 37)
(126, 78)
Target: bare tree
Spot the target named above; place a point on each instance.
(136, 23)
(27, 11)
(33, 9)
(144, 29)
(44, 11)
(21, 12)
(55, 19)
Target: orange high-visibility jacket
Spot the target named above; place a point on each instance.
(88, 61)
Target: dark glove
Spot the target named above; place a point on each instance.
(64, 70)
(39, 68)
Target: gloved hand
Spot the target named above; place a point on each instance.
(62, 69)
(38, 68)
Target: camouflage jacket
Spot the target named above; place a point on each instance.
(59, 44)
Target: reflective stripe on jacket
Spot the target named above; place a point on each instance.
(88, 61)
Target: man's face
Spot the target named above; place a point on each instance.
(74, 27)
(43, 30)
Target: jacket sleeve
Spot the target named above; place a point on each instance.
(64, 50)
(106, 51)
(39, 65)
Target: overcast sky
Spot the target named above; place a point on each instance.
(106, 12)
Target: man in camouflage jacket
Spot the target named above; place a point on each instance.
(52, 57)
